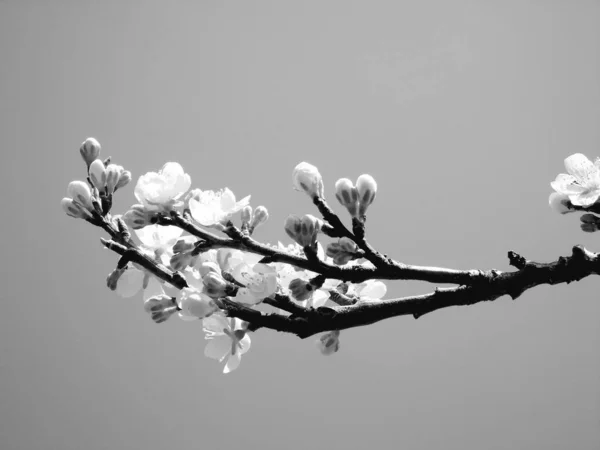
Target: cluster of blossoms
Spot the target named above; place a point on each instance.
(578, 190)
(214, 275)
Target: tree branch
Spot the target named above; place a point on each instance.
(579, 265)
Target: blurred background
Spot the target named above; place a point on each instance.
(462, 111)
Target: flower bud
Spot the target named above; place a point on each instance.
(292, 226)
(73, 209)
(215, 285)
(124, 179)
(160, 307)
(113, 174)
(329, 343)
(81, 193)
(179, 261)
(560, 203)
(89, 150)
(342, 251)
(347, 195)
(307, 178)
(208, 267)
(367, 188)
(97, 173)
(246, 215)
(183, 245)
(113, 278)
(137, 217)
(590, 223)
(302, 230)
(197, 304)
(300, 289)
(261, 215)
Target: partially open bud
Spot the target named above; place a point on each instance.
(215, 286)
(329, 343)
(90, 149)
(208, 267)
(343, 251)
(97, 173)
(160, 307)
(124, 179)
(179, 261)
(137, 217)
(197, 304)
(184, 244)
(300, 289)
(261, 215)
(81, 193)
(113, 278)
(560, 203)
(246, 216)
(73, 209)
(113, 174)
(303, 230)
(307, 178)
(347, 195)
(367, 189)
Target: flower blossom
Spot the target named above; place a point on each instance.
(582, 183)
(156, 242)
(210, 208)
(260, 282)
(162, 190)
(228, 340)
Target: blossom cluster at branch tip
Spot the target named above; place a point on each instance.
(582, 182)
(181, 273)
(108, 178)
(307, 178)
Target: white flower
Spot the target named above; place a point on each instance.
(196, 304)
(157, 243)
(228, 340)
(210, 208)
(307, 178)
(159, 240)
(368, 291)
(582, 184)
(162, 190)
(260, 282)
(329, 343)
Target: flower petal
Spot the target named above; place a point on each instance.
(233, 362)
(218, 348)
(153, 289)
(130, 282)
(215, 324)
(586, 198)
(373, 289)
(581, 168)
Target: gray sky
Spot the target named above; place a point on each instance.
(462, 111)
